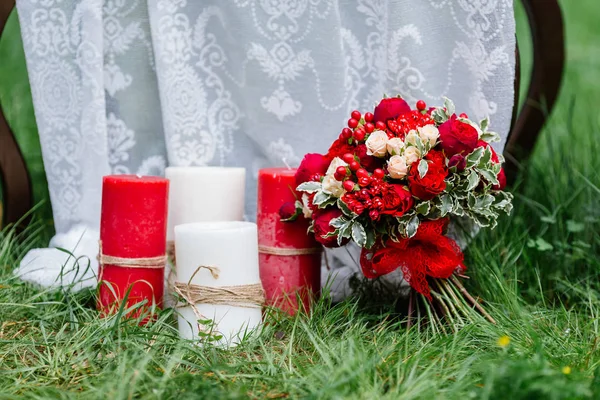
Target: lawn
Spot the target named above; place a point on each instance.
(538, 272)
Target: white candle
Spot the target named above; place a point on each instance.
(202, 194)
(232, 247)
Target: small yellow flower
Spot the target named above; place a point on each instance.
(503, 341)
(566, 370)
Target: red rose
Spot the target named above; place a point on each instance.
(396, 200)
(437, 157)
(432, 184)
(340, 147)
(457, 137)
(311, 164)
(321, 226)
(390, 108)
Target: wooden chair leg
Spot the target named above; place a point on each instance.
(13, 171)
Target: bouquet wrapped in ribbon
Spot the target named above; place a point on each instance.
(391, 183)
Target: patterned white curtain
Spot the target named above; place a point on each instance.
(130, 86)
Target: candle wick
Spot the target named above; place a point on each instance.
(285, 162)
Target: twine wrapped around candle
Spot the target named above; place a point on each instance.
(283, 251)
(251, 296)
(141, 262)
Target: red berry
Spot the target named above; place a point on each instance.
(349, 186)
(421, 105)
(380, 125)
(362, 173)
(364, 193)
(348, 158)
(374, 214)
(379, 173)
(359, 135)
(316, 177)
(354, 166)
(364, 181)
(369, 127)
(352, 123)
(346, 133)
(369, 117)
(338, 177)
(463, 115)
(355, 115)
(359, 209)
(341, 170)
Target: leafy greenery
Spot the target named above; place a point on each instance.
(538, 272)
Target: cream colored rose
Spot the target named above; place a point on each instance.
(397, 167)
(411, 137)
(395, 146)
(305, 208)
(411, 154)
(335, 163)
(377, 144)
(332, 186)
(429, 134)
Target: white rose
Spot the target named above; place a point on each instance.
(377, 144)
(411, 137)
(429, 134)
(411, 154)
(332, 186)
(305, 208)
(335, 163)
(395, 146)
(397, 167)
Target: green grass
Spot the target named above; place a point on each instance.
(538, 271)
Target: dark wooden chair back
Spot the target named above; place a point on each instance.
(17, 199)
(547, 32)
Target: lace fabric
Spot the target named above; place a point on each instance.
(132, 86)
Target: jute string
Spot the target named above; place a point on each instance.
(282, 251)
(142, 262)
(250, 296)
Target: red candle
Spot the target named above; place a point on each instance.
(283, 276)
(133, 225)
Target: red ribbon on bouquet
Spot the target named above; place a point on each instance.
(427, 254)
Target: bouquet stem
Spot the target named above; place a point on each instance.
(451, 305)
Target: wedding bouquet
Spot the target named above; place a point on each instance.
(391, 183)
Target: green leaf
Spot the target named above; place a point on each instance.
(473, 158)
(489, 176)
(423, 208)
(412, 227)
(472, 181)
(370, 239)
(344, 208)
(549, 219)
(423, 167)
(540, 244)
(489, 137)
(439, 115)
(485, 158)
(574, 226)
(309, 187)
(447, 204)
(449, 105)
(320, 198)
(484, 123)
(338, 222)
(359, 235)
